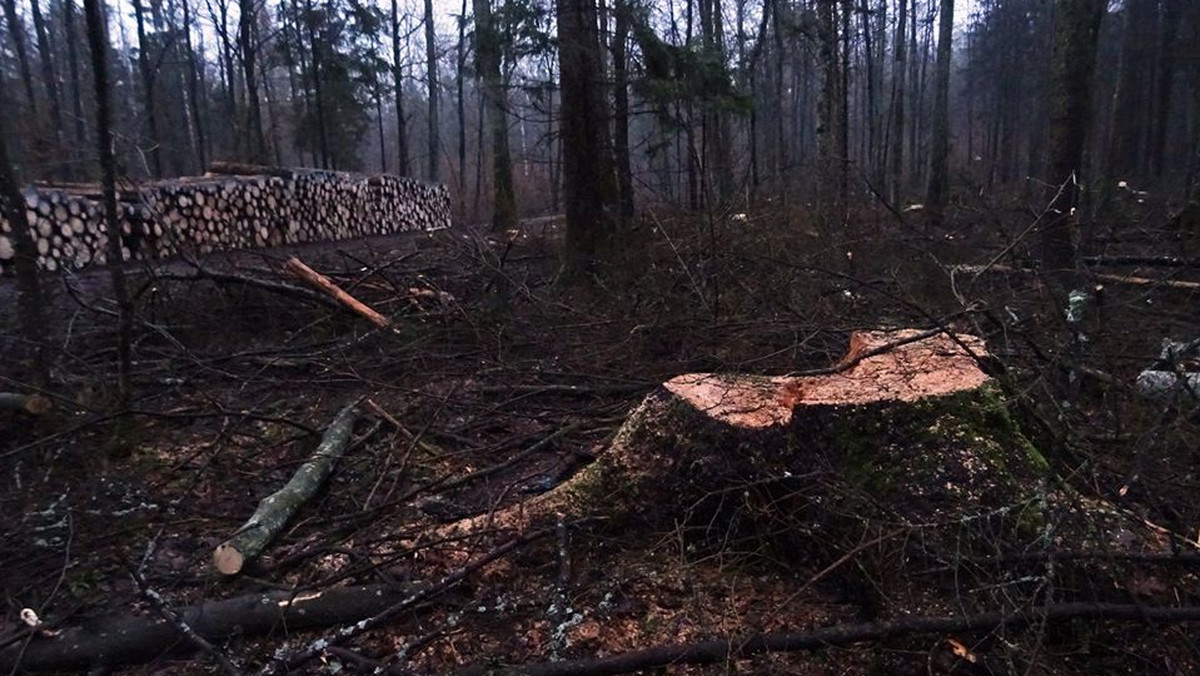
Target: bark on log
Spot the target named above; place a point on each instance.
(299, 269)
(34, 404)
(275, 510)
(126, 639)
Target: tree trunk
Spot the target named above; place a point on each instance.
(98, 44)
(1171, 14)
(1077, 29)
(76, 80)
(621, 109)
(402, 167)
(16, 30)
(939, 154)
(193, 83)
(147, 73)
(488, 58)
(435, 145)
(899, 70)
(590, 185)
(248, 50)
(45, 57)
(315, 45)
(459, 82)
(30, 295)
(829, 134)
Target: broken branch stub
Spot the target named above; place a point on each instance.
(275, 510)
(916, 430)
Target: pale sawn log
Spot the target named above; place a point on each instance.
(299, 269)
(275, 510)
(126, 639)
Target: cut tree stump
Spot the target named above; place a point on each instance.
(915, 431)
(275, 510)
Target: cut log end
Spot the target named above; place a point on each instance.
(227, 559)
(880, 366)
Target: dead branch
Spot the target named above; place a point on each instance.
(1129, 280)
(275, 510)
(299, 269)
(712, 652)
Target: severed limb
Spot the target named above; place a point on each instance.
(275, 510)
(299, 269)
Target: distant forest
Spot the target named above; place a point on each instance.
(710, 103)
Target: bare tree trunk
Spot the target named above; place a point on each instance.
(76, 85)
(17, 31)
(1171, 14)
(98, 43)
(939, 153)
(459, 78)
(899, 70)
(590, 185)
(1077, 29)
(30, 295)
(248, 50)
(488, 56)
(322, 135)
(193, 82)
(621, 109)
(45, 57)
(435, 144)
(398, 80)
(147, 74)
(829, 134)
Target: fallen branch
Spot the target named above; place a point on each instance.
(299, 269)
(1181, 285)
(125, 639)
(275, 510)
(33, 404)
(712, 652)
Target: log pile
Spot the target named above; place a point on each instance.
(222, 211)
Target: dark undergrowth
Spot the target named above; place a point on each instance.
(498, 381)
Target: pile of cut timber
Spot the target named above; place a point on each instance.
(221, 211)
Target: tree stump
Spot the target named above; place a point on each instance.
(906, 429)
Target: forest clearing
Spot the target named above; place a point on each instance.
(574, 337)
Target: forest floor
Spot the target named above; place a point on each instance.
(499, 380)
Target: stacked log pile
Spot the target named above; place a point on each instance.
(239, 208)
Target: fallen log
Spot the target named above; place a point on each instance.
(724, 650)
(126, 639)
(33, 404)
(299, 269)
(275, 510)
